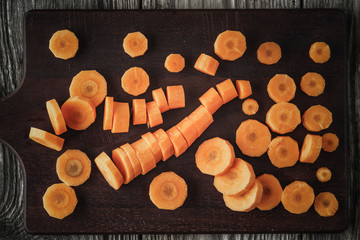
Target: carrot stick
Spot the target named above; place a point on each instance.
(108, 113)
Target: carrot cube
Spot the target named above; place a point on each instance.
(243, 88)
(175, 96)
(206, 64)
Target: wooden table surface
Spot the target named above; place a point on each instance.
(11, 72)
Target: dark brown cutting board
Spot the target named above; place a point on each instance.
(129, 210)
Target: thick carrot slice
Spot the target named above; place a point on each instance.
(272, 192)
(178, 141)
(281, 88)
(108, 169)
(323, 174)
(139, 111)
(244, 88)
(227, 90)
(89, 84)
(269, 53)
(135, 44)
(145, 156)
(175, 96)
(153, 144)
(319, 52)
(159, 97)
(246, 202)
(168, 191)
(154, 116)
(206, 64)
(211, 100)
(230, 45)
(283, 152)
(250, 106)
(188, 130)
(135, 81)
(330, 142)
(202, 119)
(326, 204)
(64, 44)
(237, 180)
(123, 163)
(174, 63)
(317, 118)
(121, 119)
(166, 147)
(56, 118)
(283, 117)
(108, 113)
(59, 200)
(46, 139)
(214, 156)
(253, 138)
(311, 148)
(297, 197)
(312, 84)
(130, 152)
(73, 167)
(79, 113)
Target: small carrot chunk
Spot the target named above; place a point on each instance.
(202, 119)
(283, 117)
(323, 174)
(188, 130)
(175, 96)
(178, 141)
(108, 169)
(230, 45)
(154, 117)
(297, 197)
(244, 88)
(272, 192)
(250, 106)
(317, 118)
(135, 81)
(135, 44)
(283, 152)
(174, 63)
(320, 52)
(145, 156)
(46, 139)
(121, 119)
(206, 64)
(211, 100)
(330, 142)
(153, 144)
(227, 90)
(64, 44)
(139, 111)
(326, 204)
(160, 98)
(269, 53)
(311, 148)
(56, 117)
(130, 152)
(281, 88)
(123, 163)
(108, 113)
(312, 84)
(166, 147)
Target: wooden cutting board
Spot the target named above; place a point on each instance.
(129, 210)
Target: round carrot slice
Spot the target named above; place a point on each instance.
(253, 138)
(326, 204)
(79, 113)
(330, 142)
(312, 84)
(168, 191)
(283, 117)
(272, 192)
(269, 53)
(317, 118)
(320, 52)
(230, 45)
(297, 197)
(283, 152)
(135, 44)
(281, 88)
(174, 63)
(64, 44)
(250, 106)
(214, 156)
(323, 174)
(135, 81)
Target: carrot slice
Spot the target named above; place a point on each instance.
(188, 130)
(168, 191)
(135, 81)
(124, 165)
(175, 96)
(154, 116)
(297, 197)
(311, 148)
(178, 141)
(281, 88)
(130, 152)
(269, 53)
(108, 169)
(89, 84)
(323, 174)
(330, 142)
(320, 52)
(166, 147)
(283, 152)
(174, 63)
(326, 204)
(139, 111)
(253, 138)
(108, 113)
(202, 119)
(250, 106)
(56, 118)
(64, 44)
(230, 45)
(153, 144)
(211, 100)
(73, 167)
(227, 90)
(159, 97)
(79, 113)
(246, 202)
(59, 200)
(283, 117)
(206, 64)
(317, 118)
(121, 119)
(237, 180)
(135, 44)
(145, 156)
(312, 84)
(46, 139)
(244, 88)
(272, 192)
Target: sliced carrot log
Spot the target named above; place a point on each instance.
(269, 53)
(230, 45)
(206, 64)
(283, 117)
(326, 204)
(64, 44)
(153, 144)
(123, 163)
(283, 151)
(281, 88)
(317, 118)
(159, 97)
(244, 88)
(312, 84)
(175, 96)
(227, 90)
(330, 142)
(154, 116)
(311, 148)
(174, 63)
(188, 130)
(272, 192)
(121, 119)
(211, 100)
(108, 113)
(319, 52)
(135, 44)
(135, 81)
(250, 106)
(56, 118)
(145, 156)
(323, 174)
(178, 141)
(108, 169)
(166, 147)
(297, 197)
(130, 152)
(202, 119)
(46, 139)
(139, 111)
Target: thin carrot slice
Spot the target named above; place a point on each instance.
(297, 197)
(123, 163)
(202, 119)
(317, 118)
(311, 148)
(330, 142)
(153, 144)
(206, 64)
(154, 117)
(108, 113)
(178, 141)
(160, 98)
(135, 81)
(326, 204)
(145, 156)
(281, 88)
(230, 45)
(64, 44)
(283, 152)
(175, 96)
(269, 53)
(166, 147)
(130, 152)
(188, 130)
(211, 100)
(250, 106)
(56, 118)
(46, 139)
(174, 63)
(320, 52)
(244, 88)
(323, 174)
(283, 117)
(139, 111)
(312, 84)
(108, 169)
(121, 120)
(227, 90)
(272, 192)
(135, 44)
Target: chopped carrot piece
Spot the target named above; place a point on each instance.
(312, 84)
(46, 139)
(281, 88)
(145, 156)
(269, 53)
(64, 44)
(323, 174)
(311, 148)
(108, 169)
(175, 96)
(154, 116)
(230, 45)
(326, 204)
(250, 106)
(166, 147)
(56, 118)
(135, 44)
(123, 163)
(206, 64)
(330, 142)
(319, 52)
(178, 141)
(139, 111)
(272, 192)
(153, 144)
(227, 90)
(159, 97)
(283, 152)
(202, 119)
(188, 130)
(244, 88)
(174, 63)
(121, 119)
(135, 81)
(211, 100)
(130, 152)
(317, 118)
(297, 197)
(108, 113)
(283, 117)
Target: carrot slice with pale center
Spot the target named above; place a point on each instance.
(272, 192)
(167, 148)
(135, 44)
(283, 117)
(46, 139)
(297, 197)
(56, 117)
(326, 204)
(135, 81)
(330, 142)
(250, 106)
(269, 53)
(64, 44)
(174, 63)
(320, 52)
(313, 84)
(317, 118)
(230, 45)
(281, 88)
(283, 152)
(108, 169)
(323, 174)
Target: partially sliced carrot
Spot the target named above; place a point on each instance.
(330, 142)
(323, 174)
(272, 192)
(244, 88)
(123, 163)
(320, 52)
(283, 152)
(269, 53)
(108, 169)
(311, 148)
(56, 118)
(121, 120)
(312, 84)
(227, 90)
(230, 45)
(211, 100)
(145, 156)
(206, 64)
(326, 204)
(130, 152)
(139, 111)
(281, 88)
(250, 106)
(166, 147)
(46, 139)
(108, 113)
(135, 44)
(174, 63)
(154, 116)
(297, 197)
(178, 141)
(202, 119)
(317, 118)
(135, 81)
(283, 117)
(153, 144)
(175, 96)
(160, 98)
(188, 130)
(64, 44)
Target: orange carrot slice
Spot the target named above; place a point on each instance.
(175, 96)
(269, 53)
(317, 118)
(211, 100)
(326, 204)
(188, 130)
(46, 139)
(135, 81)
(124, 165)
(108, 113)
(159, 97)
(135, 44)
(64, 44)
(250, 106)
(297, 197)
(283, 117)
(145, 156)
(320, 52)
(244, 88)
(230, 45)
(281, 88)
(323, 174)
(283, 152)
(154, 116)
(121, 119)
(56, 118)
(311, 148)
(166, 147)
(330, 142)
(108, 169)
(139, 111)
(227, 90)
(130, 152)
(153, 144)
(312, 84)
(202, 119)
(272, 192)
(178, 141)
(174, 63)
(206, 64)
